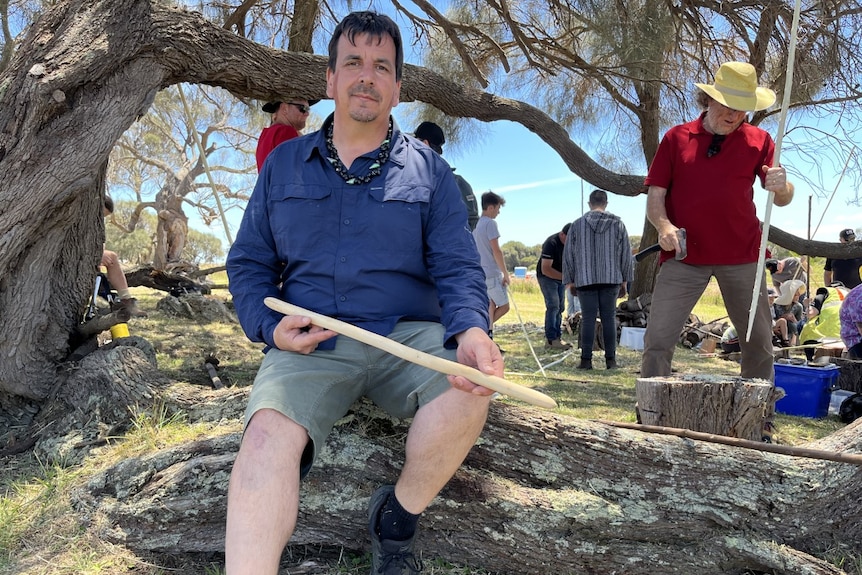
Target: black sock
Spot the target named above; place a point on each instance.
(395, 522)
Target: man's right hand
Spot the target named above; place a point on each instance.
(477, 350)
(295, 333)
(668, 238)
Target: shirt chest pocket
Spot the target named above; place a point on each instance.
(399, 213)
(300, 214)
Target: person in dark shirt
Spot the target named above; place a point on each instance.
(365, 224)
(549, 273)
(433, 136)
(844, 271)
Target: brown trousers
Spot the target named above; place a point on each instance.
(678, 288)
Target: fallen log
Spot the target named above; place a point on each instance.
(540, 493)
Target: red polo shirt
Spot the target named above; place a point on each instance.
(713, 198)
(270, 138)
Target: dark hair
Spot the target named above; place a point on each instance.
(489, 198)
(598, 198)
(108, 203)
(371, 23)
(771, 265)
(566, 228)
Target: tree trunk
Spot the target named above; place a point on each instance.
(850, 377)
(646, 270)
(539, 493)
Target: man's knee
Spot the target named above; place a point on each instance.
(270, 429)
(109, 258)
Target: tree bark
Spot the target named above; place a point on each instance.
(729, 406)
(539, 493)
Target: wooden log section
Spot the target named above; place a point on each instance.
(850, 378)
(722, 405)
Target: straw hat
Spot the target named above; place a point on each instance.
(735, 86)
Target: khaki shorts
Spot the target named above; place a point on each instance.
(317, 389)
(497, 291)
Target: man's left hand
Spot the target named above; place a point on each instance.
(477, 350)
(776, 182)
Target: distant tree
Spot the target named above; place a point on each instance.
(517, 254)
(203, 248)
(133, 246)
(159, 161)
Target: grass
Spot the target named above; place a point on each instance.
(40, 533)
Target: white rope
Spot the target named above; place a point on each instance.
(524, 329)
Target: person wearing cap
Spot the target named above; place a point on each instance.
(780, 328)
(702, 179)
(845, 271)
(288, 118)
(786, 269)
(787, 305)
(432, 136)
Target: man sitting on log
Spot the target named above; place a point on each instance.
(362, 223)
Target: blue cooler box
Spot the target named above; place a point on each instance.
(807, 389)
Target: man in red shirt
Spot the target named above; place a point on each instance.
(701, 179)
(288, 118)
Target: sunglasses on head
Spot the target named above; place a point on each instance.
(303, 109)
(715, 145)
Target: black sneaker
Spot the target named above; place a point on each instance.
(611, 363)
(389, 557)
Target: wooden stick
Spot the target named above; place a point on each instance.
(776, 161)
(854, 458)
(415, 356)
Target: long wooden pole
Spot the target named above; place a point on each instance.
(415, 356)
(853, 458)
(782, 118)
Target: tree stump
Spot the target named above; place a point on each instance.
(724, 405)
(850, 377)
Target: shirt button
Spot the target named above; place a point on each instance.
(343, 259)
(346, 222)
(342, 298)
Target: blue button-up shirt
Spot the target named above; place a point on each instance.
(395, 248)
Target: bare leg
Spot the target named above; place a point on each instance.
(115, 274)
(441, 435)
(263, 496)
(781, 326)
(498, 311)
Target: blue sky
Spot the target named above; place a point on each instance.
(542, 194)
